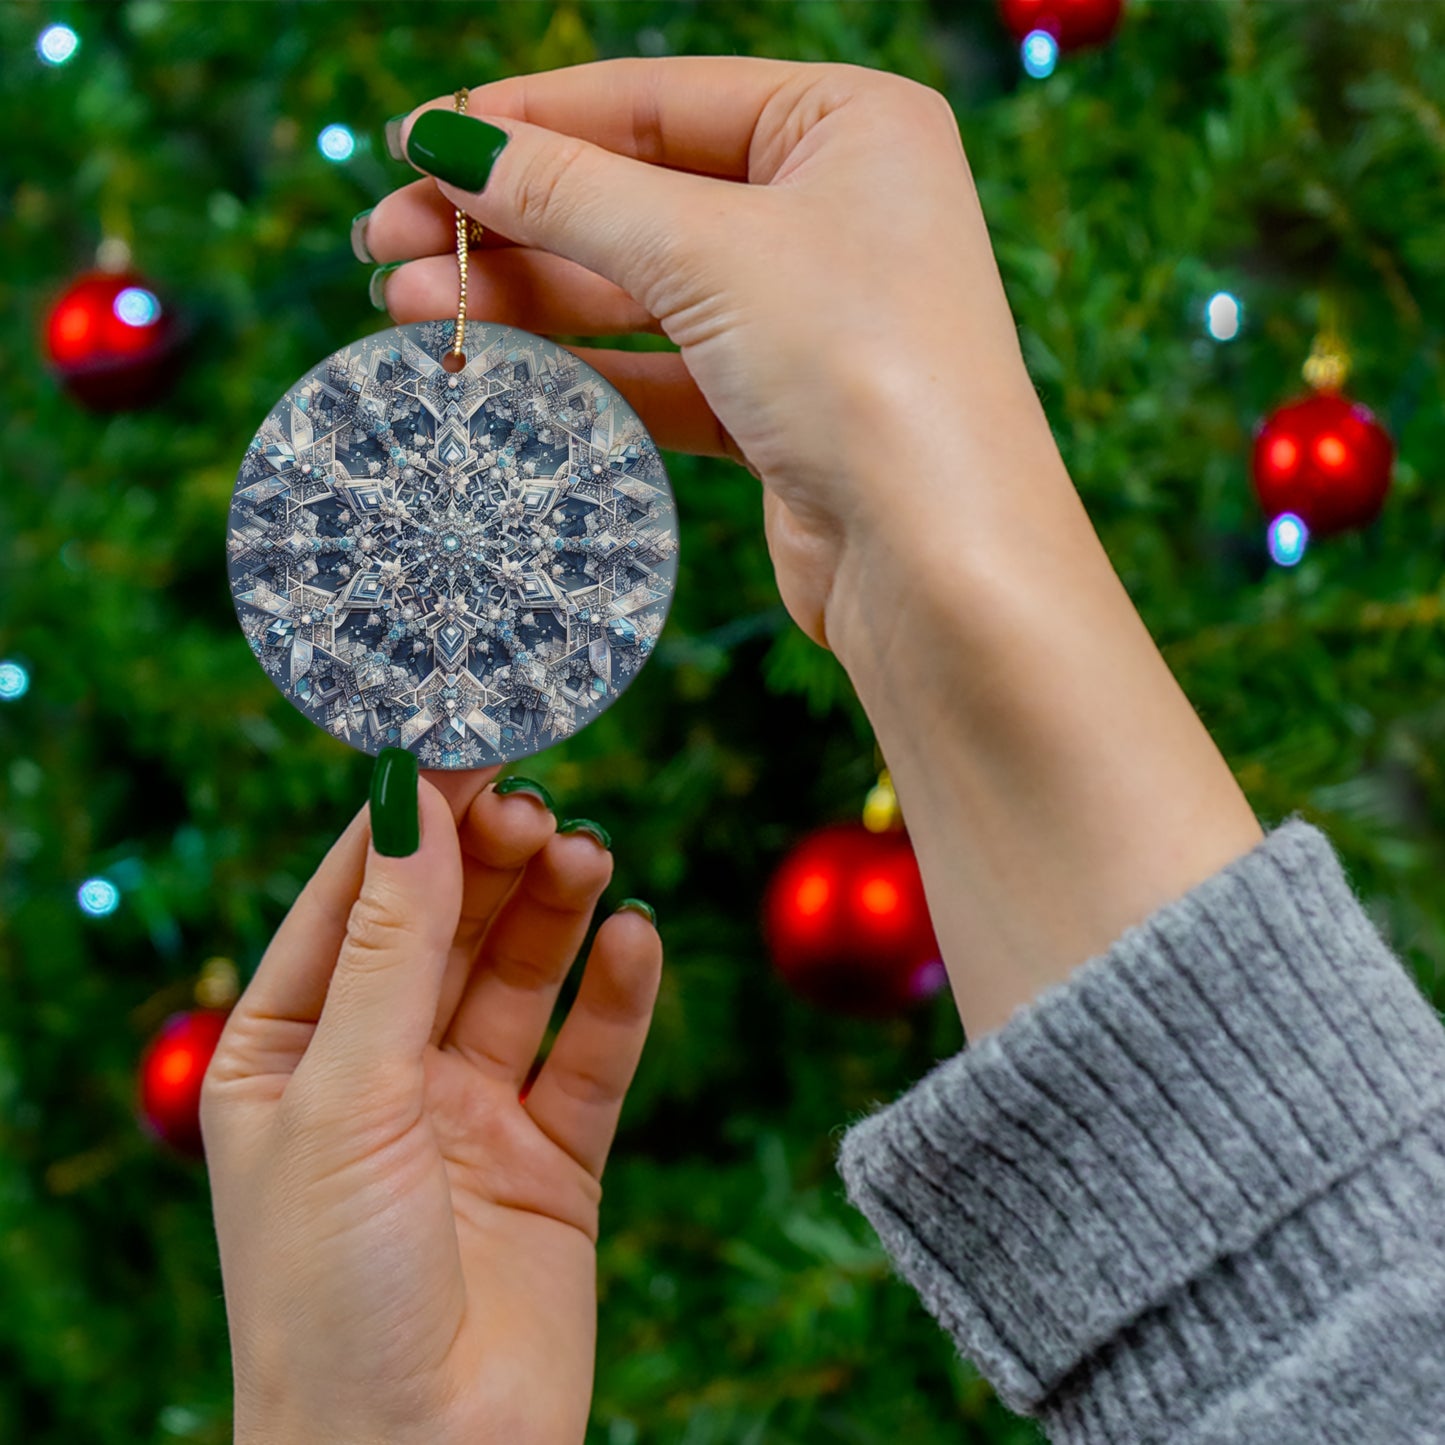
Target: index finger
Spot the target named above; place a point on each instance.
(695, 113)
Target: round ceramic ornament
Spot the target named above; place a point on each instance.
(470, 564)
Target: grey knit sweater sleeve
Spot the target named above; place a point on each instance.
(1195, 1193)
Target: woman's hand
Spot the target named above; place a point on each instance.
(840, 313)
(810, 237)
(407, 1246)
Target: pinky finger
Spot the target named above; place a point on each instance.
(577, 1097)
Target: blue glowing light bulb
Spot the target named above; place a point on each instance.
(1288, 537)
(1223, 316)
(57, 44)
(98, 897)
(336, 143)
(1040, 53)
(14, 681)
(137, 307)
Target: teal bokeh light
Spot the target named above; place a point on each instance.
(57, 44)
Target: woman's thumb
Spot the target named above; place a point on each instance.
(382, 1000)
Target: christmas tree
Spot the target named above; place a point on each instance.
(1179, 214)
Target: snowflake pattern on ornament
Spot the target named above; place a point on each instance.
(469, 565)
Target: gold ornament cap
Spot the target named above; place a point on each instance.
(219, 985)
(881, 813)
(1328, 365)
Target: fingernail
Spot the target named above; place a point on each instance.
(395, 824)
(636, 905)
(359, 248)
(586, 825)
(393, 137)
(526, 785)
(455, 148)
(376, 287)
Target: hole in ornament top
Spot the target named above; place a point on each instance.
(452, 362)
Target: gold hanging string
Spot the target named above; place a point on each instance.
(459, 341)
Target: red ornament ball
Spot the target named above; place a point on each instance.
(112, 341)
(847, 923)
(1073, 23)
(1324, 458)
(171, 1071)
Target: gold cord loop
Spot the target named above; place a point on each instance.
(467, 231)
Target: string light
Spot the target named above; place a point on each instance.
(1040, 52)
(930, 977)
(98, 897)
(14, 681)
(1223, 316)
(137, 307)
(57, 44)
(1288, 537)
(336, 143)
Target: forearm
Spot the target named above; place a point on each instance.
(1057, 784)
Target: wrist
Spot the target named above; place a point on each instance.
(278, 1430)
(946, 532)
(946, 465)
(1057, 784)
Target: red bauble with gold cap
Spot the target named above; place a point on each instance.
(112, 341)
(1326, 459)
(847, 923)
(1073, 23)
(171, 1071)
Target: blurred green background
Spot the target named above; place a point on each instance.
(1287, 153)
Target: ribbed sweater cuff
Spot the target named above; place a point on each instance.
(1142, 1165)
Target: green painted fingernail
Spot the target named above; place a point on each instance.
(392, 132)
(376, 287)
(455, 148)
(586, 825)
(636, 905)
(529, 787)
(359, 248)
(395, 821)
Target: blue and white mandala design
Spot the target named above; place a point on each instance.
(470, 565)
